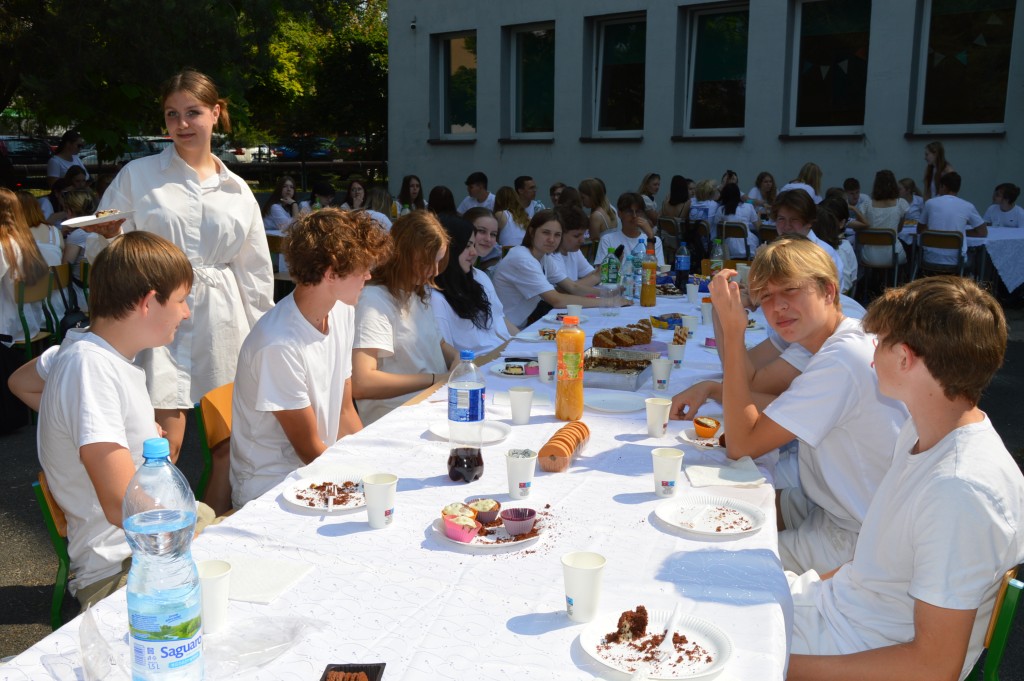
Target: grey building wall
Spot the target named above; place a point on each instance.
(888, 139)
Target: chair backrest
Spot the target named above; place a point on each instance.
(736, 230)
(276, 243)
(876, 237)
(669, 226)
(34, 293)
(767, 234)
(56, 513)
(216, 413)
(999, 626)
(937, 239)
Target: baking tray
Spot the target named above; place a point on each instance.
(620, 380)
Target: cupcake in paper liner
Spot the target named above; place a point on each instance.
(461, 528)
(486, 509)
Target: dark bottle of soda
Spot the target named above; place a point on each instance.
(466, 464)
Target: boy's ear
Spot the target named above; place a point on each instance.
(147, 302)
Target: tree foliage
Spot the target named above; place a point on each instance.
(286, 67)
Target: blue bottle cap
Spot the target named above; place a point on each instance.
(156, 448)
(467, 355)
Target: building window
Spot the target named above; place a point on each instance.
(458, 85)
(718, 69)
(966, 62)
(832, 67)
(534, 81)
(621, 61)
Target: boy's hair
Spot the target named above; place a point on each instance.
(476, 178)
(798, 201)
(955, 326)
(520, 182)
(951, 181)
(793, 258)
(332, 239)
(572, 218)
(851, 184)
(629, 200)
(1009, 190)
(132, 266)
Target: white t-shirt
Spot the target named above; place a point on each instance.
(92, 394)
(10, 322)
(406, 339)
(948, 213)
(848, 257)
(846, 429)
(916, 208)
(944, 526)
(574, 265)
(746, 214)
(704, 210)
(796, 354)
(470, 202)
(831, 252)
(58, 167)
(997, 217)
(616, 238)
(803, 186)
(519, 279)
(278, 218)
(512, 233)
(534, 206)
(285, 363)
(462, 333)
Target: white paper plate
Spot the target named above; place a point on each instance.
(498, 368)
(704, 514)
(689, 436)
(293, 494)
(701, 632)
(490, 543)
(553, 317)
(530, 337)
(613, 401)
(88, 220)
(493, 431)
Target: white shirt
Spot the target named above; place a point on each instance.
(92, 394)
(801, 185)
(217, 224)
(58, 167)
(378, 217)
(948, 213)
(616, 238)
(278, 218)
(997, 217)
(10, 322)
(963, 498)
(406, 339)
(534, 206)
(461, 333)
(746, 214)
(519, 279)
(916, 206)
(845, 427)
(831, 252)
(571, 265)
(285, 363)
(512, 232)
(704, 210)
(470, 202)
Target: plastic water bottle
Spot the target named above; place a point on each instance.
(466, 397)
(610, 268)
(682, 267)
(637, 255)
(164, 609)
(717, 257)
(627, 277)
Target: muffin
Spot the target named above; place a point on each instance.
(458, 508)
(461, 528)
(705, 426)
(486, 509)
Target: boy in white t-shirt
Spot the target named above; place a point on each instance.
(293, 391)
(1004, 212)
(945, 523)
(94, 408)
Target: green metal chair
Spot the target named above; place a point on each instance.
(57, 526)
(38, 292)
(987, 669)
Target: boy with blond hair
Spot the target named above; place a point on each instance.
(945, 523)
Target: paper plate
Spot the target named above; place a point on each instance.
(553, 317)
(498, 368)
(499, 540)
(493, 431)
(711, 516)
(296, 495)
(88, 220)
(613, 401)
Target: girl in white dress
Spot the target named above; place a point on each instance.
(20, 260)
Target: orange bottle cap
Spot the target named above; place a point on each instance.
(570, 319)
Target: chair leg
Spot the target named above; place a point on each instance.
(60, 586)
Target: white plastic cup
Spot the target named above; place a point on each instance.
(743, 270)
(574, 310)
(693, 293)
(548, 361)
(379, 489)
(657, 415)
(675, 353)
(667, 463)
(706, 310)
(582, 571)
(214, 582)
(521, 399)
(661, 369)
(690, 322)
(520, 471)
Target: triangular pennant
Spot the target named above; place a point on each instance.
(962, 57)
(937, 59)
(994, 20)
(980, 40)
(845, 65)
(824, 71)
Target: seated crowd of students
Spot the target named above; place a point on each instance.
(899, 508)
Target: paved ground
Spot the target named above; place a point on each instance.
(27, 563)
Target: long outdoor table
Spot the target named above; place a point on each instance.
(433, 610)
(1004, 246)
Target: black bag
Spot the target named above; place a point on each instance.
(73, 317)
(13, 412)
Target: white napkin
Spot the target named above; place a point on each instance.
(741, 473)
(261, 580)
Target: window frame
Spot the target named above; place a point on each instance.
(793, 95)
(512, 92)
(442, 42)
(921, 77)
(597, 56)
(692, 25)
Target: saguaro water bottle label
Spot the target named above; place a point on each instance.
(164, 643)
(466, 404)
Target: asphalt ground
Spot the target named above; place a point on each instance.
(28, 565)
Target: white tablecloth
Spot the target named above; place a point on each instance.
(432, 610)
(1004, 245)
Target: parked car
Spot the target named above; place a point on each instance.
(305, 149)
(235, 153)
(18, 150)
(140, 147)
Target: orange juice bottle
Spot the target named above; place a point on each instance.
(569, 388)
(649, 282)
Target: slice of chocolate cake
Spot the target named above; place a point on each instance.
(632, 626)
